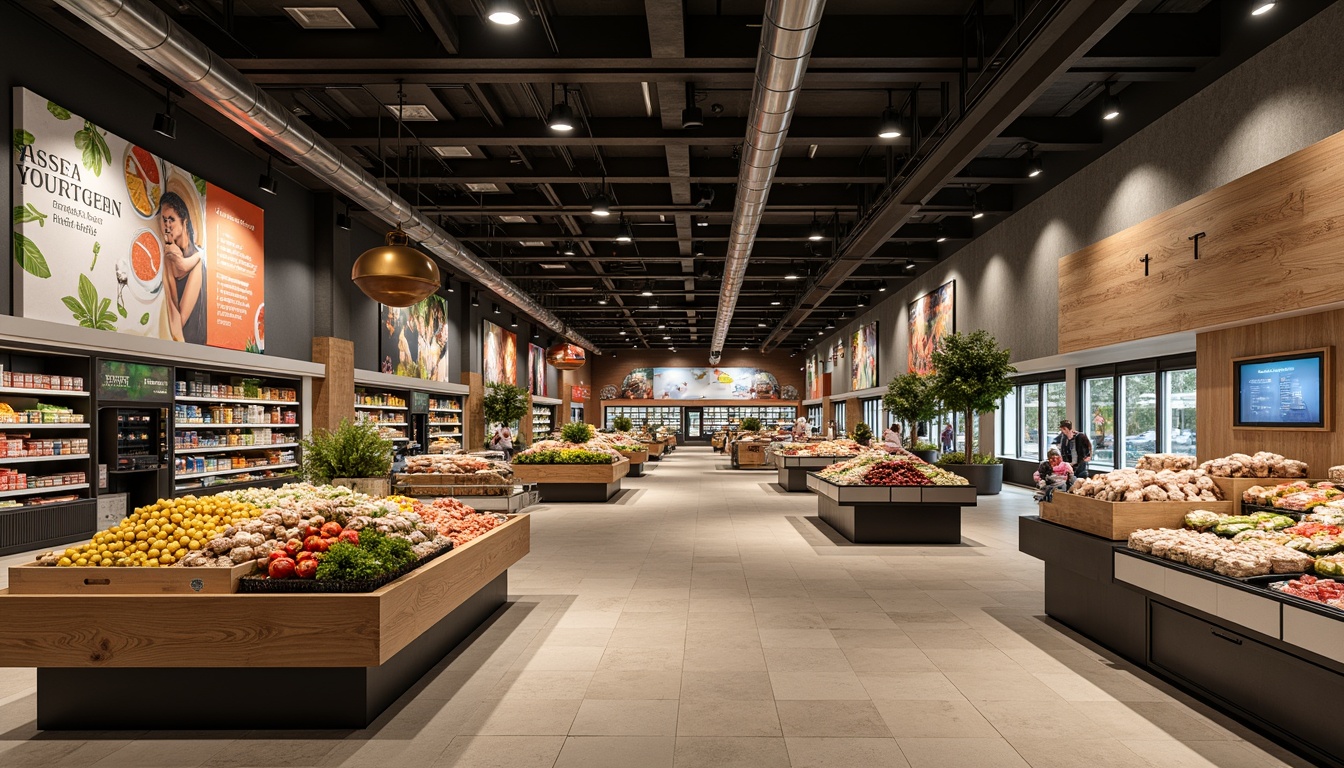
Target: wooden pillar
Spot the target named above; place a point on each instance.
(474, 435)
(334, 396)
(525, 424)
(853, 415)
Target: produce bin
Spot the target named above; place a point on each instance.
(879, 514)
(793, 469)
(1117, 519)
(574, 482)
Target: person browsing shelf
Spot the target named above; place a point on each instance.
(892, 437)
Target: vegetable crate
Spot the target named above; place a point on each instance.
(1233, 487)
(1115, 520)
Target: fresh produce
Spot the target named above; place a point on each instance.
(457, 521)
(1331, 565)
(457, 464)
(162, 534)
(1157, 462)
(1146, 485)
(840, 447)
(377, 555)
(1262, 464)
(1298, 496)
(895, 473)
(1319, 590)
(895, 466)
(560, 452)
(1238, 558)
(622, 443)
(576, 432)
(1231, 525)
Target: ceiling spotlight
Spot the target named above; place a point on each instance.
(775, 301)
(821, 333)
(602, 300)
(568, 250)
(513, 321)
(882, 288)
(623, 233)
(890, 126)
(702, 221)
(646, 292)
(792, 274)
(976, 212)
(761, 325)
(562, 116)
(661, 326)
(622, 333)
(448, 284)
(1110, 106)
(830, 325)
(941, 238)
(910, 265)
(343, 221)
(475, 300)
(744, 347)
(814, 232)
(863, 300)
(1034, 167)
(599, 205)
(665, 338)
(494, 308)
(266, 183)
(503, 12)
(1259, 7)
(164, 124)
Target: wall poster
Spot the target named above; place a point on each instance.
(700, 384)
(536, 366)
(413, 341)
(500, 356)
(932, 317)
(109, 236)
(863, 358)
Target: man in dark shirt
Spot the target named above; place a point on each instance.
(1076, 448)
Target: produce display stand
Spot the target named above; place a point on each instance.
(1233, 643)
(637, 460)
(1233, 487)
(656, 449)
(1117, 519)
(793, 469)
(574, 482)
(352, 654)
(883, 514)
(749, 455)
(432, 484)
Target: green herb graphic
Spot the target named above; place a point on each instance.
(96, 248)
(200, 184)
(22, 139)
(94, 147)
(29, 257)
(57, 111)
(29, 213)
(88, 310)
(144, 319)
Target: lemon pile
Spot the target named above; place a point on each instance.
(160, 534)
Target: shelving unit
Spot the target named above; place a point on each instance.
(49, 449)
(223, 421)
(390, 410)
(543, 421)
(718, 417)
(446, 418)
(644, 414)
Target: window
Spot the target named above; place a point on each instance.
(814, 419)
(1178, 411)
(1055, 410)
(1139, 395)
(872, 414)
(1030, 398)
(1008, 425)
(838, 413)
(1099, 405)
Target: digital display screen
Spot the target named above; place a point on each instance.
(1281, 392)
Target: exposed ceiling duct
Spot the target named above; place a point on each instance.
(787, 34)
(143, 29)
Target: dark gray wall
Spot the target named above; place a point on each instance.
(1287, 97)
(42, 60)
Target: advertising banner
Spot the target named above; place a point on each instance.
(133, 382)
(700, 384)
(536, 366)
(413, 341)
(109, 236)
(863, 358)
(500, 355)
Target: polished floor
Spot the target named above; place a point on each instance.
(705, 618)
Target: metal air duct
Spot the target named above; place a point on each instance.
(144, 30)
(787, 34)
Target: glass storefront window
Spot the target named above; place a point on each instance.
(1008, 425)
(1054, 408)
(872, 415)
(838, 413)
(1139, 395)
(1099, 405)
(1178, 417)
(1030, 398)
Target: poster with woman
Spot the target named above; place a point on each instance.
(536, 365)
(931, 318)
(863, 358)
(413, 341)
(500, 356)
(111, 237)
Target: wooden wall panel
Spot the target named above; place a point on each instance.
(334, 395)
(1214, 352)
(1273, 243)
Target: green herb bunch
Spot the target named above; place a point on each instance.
(576, 432)
(352, 450)
(376, 555)
(622, 424)
(751, 424)
(563, 456)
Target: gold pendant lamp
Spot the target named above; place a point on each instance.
(396, 274)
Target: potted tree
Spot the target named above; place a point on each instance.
(912, 398)
(971, 377)
(504, 404)
(353, 455)
(622, 424)
(863, 434)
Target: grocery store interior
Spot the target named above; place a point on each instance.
(672, 383)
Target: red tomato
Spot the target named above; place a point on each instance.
(278, 553)
(311, 531)
(306, 569)
(282, 568)
(293, 547)
(350, 536)
(315, 544)
(331, 530)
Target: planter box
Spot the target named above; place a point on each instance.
(926, 514)
(574, 482)
(793, 469)
(987, 478)
(373, 486)
(656, 449)
(1115, 520)
(34, 579)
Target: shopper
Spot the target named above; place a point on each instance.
(892, 438)
(947, 438)
(830, 430)
(1052, 474)
(503, 441)
(801, 429)
(1075, 447)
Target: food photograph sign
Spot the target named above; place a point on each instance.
(109, 236)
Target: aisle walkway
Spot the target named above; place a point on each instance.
(703, 619)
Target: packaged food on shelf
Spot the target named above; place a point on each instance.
(13, 380)
(1135, 485)
(1297, 496)
(1157, 462)
(1262, 464)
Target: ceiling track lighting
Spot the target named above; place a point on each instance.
(513, 321)
(910, 265)
(343, 221)
(266, 182)
(494, 308)
(1034, 167)
(976, 212)
(568, 250)
(164, 123)
(475, 300)
(448, 283)
(692, 117)
(1110, 109)
(505, 13)
(1261, 7)
(561, 117)
(863, 300)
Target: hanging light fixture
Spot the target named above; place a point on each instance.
(882, 288)
(1259, 7)
(598, 204)
(863, 300)
(775, 301)
(494, 308)
(266, 182)
(623, 233)
(562, 116)
(475, 300)
(164, 123)
(395, 274)
(602, 300)
(1034, 167)
(503, 12)
(1110, 109)
(891, 126)
(792, 274)
(448, 283)
(513, 321)
(568, 249)
(815, 232)
(976, 213)
(910, 265)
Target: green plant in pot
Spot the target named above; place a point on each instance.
(912, 398)
(972, 377)
(504, 404)
(751, 424)
(622, 424)
(863, 434)
(352, 455)
(576, 432)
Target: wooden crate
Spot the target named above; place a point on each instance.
(636, 457)
(258, 630)
(571, 473)
(373, 486)
(751, 454)
(655, 447)
(34, 579)
(1233, 487)
(1115, 520)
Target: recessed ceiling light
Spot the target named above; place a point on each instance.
(450, 151)
(533, 243)
(413, 113)
(324, 17)
(513, 219)
(1261, 6)
(503, 12)
(478, 186)
(552, 265)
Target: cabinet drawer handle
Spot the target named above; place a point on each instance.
(1221, 636)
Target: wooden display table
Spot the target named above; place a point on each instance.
(350, 655)
(637, 460)
(866, 514)
(656, 449)
(1117, 519)
(793, 469)
(574, 482)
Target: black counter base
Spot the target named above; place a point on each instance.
(794, 479)
(580, 492)
(893, 523)
(636, 470)
(271, 698)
